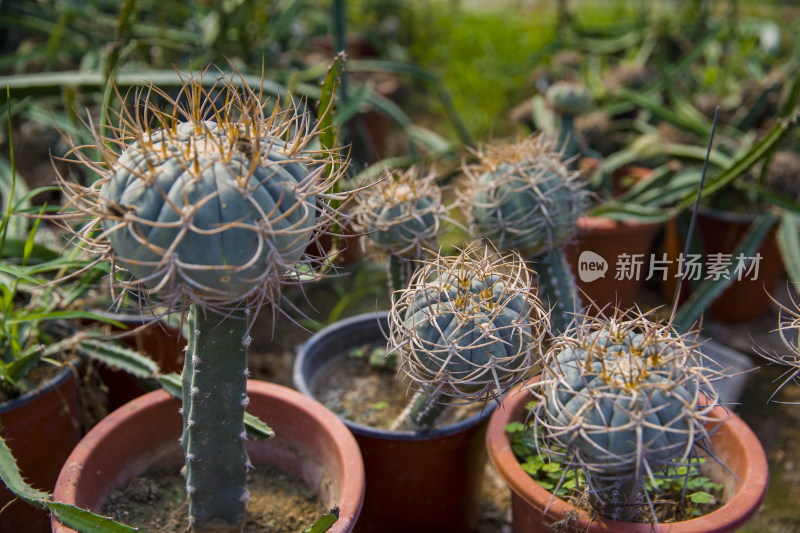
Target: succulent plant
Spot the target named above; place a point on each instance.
(625, 397)
(568, 100)
(466, 329)
(402, 215)
(213, 209)
(522, 197)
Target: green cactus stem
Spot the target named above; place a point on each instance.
(214, 400)
(557, 288)
(568, 100)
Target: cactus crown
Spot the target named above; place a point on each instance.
(568, 98)
(468, 327)
(214, 200)
(625, 394)
(522, 196)
(402, 213)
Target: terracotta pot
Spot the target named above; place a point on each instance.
(609, 239)
(416, 481)
(747, 298)
(41, 428)
(734, 443)
(310, 442)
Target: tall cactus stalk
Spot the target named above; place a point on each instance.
(523, 197)
(209, 206)
(466, 329)
(214, 382)
(568, 100)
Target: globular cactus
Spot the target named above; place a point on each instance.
(213, 208)
(402, 213)
(523, 197)
(466, 329)
(624, 396)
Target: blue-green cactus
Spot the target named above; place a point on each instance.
(468, 327)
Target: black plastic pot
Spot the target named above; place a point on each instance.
(415, 481)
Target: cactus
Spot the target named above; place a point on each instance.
(466, 329)
(213, 209)
(401, 215)
(522, 197)
(567, 101)
(625, 397)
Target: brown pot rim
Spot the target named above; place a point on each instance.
(735, 513)
(351, 495)
(601, 224)
(63, 375)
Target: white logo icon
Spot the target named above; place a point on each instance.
(591, 266)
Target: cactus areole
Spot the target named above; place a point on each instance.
(210, 206)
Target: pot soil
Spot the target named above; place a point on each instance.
(610, 239)
(734, 443)
(143, 434)
(41, 428)
(425, 481)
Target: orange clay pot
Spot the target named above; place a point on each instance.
(309, 441)
(734, 443)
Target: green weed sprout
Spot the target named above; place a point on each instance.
(624, 397)
(210, 204)
(466, 329)
(521, 196)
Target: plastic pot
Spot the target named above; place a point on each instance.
(416, 481)
(734, 443)
(41, 428)
(309, 441)
(610, 239)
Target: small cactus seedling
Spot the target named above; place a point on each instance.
(213, 208)
(401, 215)
(466, 329)
(522, 197)
(624, 397)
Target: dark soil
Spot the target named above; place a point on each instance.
(156, 502)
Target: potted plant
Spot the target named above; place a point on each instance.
(521, 196)
(464, 330)
(209, 208)
(625, 401)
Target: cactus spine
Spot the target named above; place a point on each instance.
(209, 207)
(522, 197)
(466, 329)
(624, 397)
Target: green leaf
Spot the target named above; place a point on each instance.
(11, 477)
(324, 523)
(256, 429)
(120, 357)
(551, 467)
(514, 427)
(631, 212)
(85, 521)
(701, 497)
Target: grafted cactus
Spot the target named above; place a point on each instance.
(568, 100)
(401, 215)
(625, 397)
(522, 197)
(212, 209)
(466, 329)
